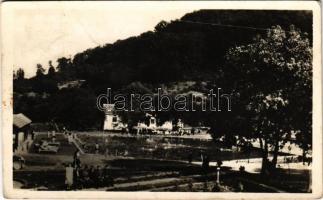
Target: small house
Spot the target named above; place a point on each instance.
(22, 133)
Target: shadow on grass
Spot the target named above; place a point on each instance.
(151, 165)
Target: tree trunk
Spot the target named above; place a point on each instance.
(303, 152)
(261, 144)
(276, 149)
(264, 150)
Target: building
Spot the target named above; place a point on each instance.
(152, 122)
(112, 122)
(168, 125)
(150, 126)
(22, 133)
(186, 129)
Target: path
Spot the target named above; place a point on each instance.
(254, 164)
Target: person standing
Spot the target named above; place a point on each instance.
(69, 172)
(106, 176)
(202, 157)
(64, 131)
(91, 175)
(76, 177)
(96, 176)
(69, 138)
(85, 176)
(76, 154)
(53, 133)
(106, 154)
(97, 148)
(76, 159)
(240, 186)
(205, 164)
(32, 135)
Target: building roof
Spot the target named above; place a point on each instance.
(20, 120)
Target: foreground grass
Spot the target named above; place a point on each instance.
(158, 163)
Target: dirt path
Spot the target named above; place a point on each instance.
(254, 164)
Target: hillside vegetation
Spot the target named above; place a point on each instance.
(186, 50)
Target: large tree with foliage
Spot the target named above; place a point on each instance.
(275, 83)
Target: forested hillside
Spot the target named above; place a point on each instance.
(192, 48)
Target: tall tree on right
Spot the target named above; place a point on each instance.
(274, 78)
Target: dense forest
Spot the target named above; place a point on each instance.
(190, 49)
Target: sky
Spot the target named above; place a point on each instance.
(47, 30)
(45, 33)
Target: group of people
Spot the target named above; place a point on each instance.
(88, 177)
(80, 176)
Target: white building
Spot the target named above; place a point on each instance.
(112, 122)
(168, 125)
(151, 125)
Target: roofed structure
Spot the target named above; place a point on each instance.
(20, 120)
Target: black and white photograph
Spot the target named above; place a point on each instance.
(189, 97)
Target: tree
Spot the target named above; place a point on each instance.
(275, 75)
(65, 68)
(64, 64)
(20, 74)
(161, 26)
(76, 109)
(51, 70)
(40, 71)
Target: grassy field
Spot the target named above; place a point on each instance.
(152, 163)
(65, 147)
(169, 148)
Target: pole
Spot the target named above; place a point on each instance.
(289, 149)
(218, 175)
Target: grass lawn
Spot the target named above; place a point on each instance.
(297, 180)
(65, 147)
(162, 175)
(156, 147)
(155, 163)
